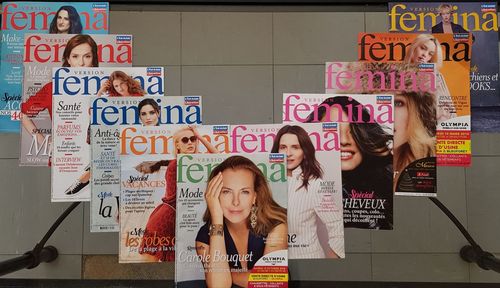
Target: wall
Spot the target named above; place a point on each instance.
(241, 60)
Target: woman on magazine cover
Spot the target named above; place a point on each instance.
(366, 159)
(425, 48)
(121, 84)
(242, 221)
(305, 199)
(161, 222)
(80, 51)
(66, 21)
(149, 112)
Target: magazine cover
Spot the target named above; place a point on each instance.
(315, 221)
(148, 184)
(366, 149)
(107, 116)
(477, 18)
(414, 156)
(232, 220)
(67, 185)
(19, 18)
(450, 55)
(42, 53)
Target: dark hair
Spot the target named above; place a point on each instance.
(78, 40)
(269, 213)
(309, 165)
(149, 101)
(134, 87)
(371, 138)
(75, 25)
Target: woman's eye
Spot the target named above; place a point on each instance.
(245, 192)
(225, 191)
(398, 103)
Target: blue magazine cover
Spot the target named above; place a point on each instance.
(19, 18)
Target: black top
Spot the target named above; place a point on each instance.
(256, 245)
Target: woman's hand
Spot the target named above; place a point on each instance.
(212, 197)
(145, 167)
(195, 131)
(104, 88)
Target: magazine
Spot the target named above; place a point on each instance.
(315, 223)
(19, 18)
(366, 148)
(451, 60)
(414, 161)
(148, 184)
(115, 50)
(43, 52)
(247, 200)
(480, 19)
(107, 116)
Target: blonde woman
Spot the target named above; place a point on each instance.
(425, 48)
(161, 222)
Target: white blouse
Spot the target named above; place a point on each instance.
(304, 208)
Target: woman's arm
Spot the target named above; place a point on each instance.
(31, 128)
(104, 88)
(332, 220)
(217, 273)
(205, 142)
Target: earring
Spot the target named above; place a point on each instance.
(253, 216)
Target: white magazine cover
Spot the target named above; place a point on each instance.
(315, 220)
(42, 53)
(108, 113)
(148, 184)
(366, 147)
(70, 179)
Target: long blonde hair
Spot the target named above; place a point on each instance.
(437, 57)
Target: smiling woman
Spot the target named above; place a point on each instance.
(242, 223)
(121, 84)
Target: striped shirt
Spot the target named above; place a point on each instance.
(305, 206)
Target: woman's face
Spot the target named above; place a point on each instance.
(121, 87)
(63, 23)
(81, 56)
(445, 15)
(289, 145)
(350, 155)
(148, 115)
(401, 121)
(186, 142)
(237, 195)
(423, 52)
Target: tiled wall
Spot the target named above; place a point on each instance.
(241, 62)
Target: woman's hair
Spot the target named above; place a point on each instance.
(75, 25)
(79, 40)
(134, 87)
(445, 6)
(437, 57)
(148, 101)
(309, 165)
(371, 138)
(269, 213)
(421, 127)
